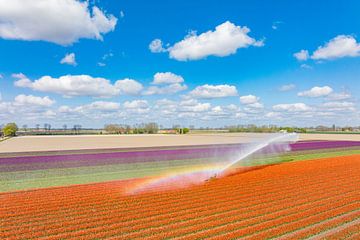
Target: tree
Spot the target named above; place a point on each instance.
(112, 128)
(151, 128)
(185, 130)
(10, 129)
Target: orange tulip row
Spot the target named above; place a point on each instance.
(269, 202)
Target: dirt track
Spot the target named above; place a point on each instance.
(46, 143)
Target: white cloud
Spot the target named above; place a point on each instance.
(255, 105)
(339, 96)
(156, 46)
(69, 59)
(18, 75)
(303, 55)
(167, 78)
(129, 86)
(99, 105)
(1, 76)
(71, 85)
(249, 99)
(252, 103)
(137, 107)
(340, 106)
(136, 104)
(225, 40)
(214, 91)
(306, 66)
(167, 89)
(273, 115)
(276, 25)
(122, 14)
(292, 107)
(316, 92)
(287, 87)
(33, 100)
(196, 107)
(170, 81)
(60, 22)
(338, 47)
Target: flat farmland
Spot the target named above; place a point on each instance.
(312, 191)
(314, 198)
(84, 142)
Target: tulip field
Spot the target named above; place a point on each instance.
(312, 192)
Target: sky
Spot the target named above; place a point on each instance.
(202, 63)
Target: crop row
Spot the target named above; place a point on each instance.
(44, 201)
(86, 231)
(113, 211)
(138, 206)
(293, 199)
(142, 224)
(77, 160)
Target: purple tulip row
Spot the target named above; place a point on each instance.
(96, 159)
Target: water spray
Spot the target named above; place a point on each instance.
(211, 171)
(287, 137)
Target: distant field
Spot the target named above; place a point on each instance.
(58, 143)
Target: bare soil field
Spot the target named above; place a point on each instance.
(58, 143)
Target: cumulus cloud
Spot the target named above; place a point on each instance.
(194, 106)
(338, 47)
(71, 85)
(273, 115)
(292, 107)
(252, 103)
(136, 104)
(340, 106)
(339, 96)
(129, 86)
(80, 85)
(99, 105)
(214, 91)
(287, 87)
(167, 78)
(167, 89)
(316, 92)
(303, 55)
(33, 100)
(69, 59)
(156, 46)
(56, 21)
(171, 83)
(249, 99)
(225, 40)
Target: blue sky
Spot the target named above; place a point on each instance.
(205, 63)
